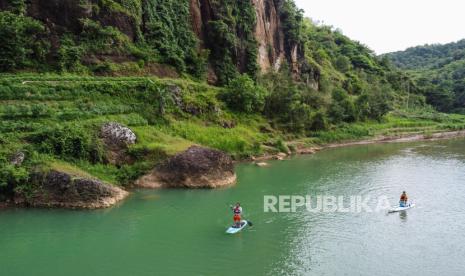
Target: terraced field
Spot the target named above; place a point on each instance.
(56, 121)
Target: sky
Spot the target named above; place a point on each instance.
(391, 25)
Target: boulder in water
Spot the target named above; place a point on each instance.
(60, 189)
(197, 167)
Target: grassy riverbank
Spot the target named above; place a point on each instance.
(399, 123)
(55, 120)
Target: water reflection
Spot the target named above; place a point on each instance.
(403, 216)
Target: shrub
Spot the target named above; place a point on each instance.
(374, 105)
(10, 174)
(342, 109)
(69, 55)
(281, 146)
(128, 174)
(103, 39)
(319, 121)
(70, 141)
(22, 42)
(243, 95)
(170, 34)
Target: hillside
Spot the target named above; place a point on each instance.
(440, 71)
(214, 38)
(429, 56)
(249, 78)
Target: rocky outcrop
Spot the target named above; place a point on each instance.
(269, 35)
(65, 16)
(117, 138)
(67, 19)
(272, 50)
(197, 167)
(60, 189)
(117, 134)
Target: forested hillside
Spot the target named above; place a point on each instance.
(245, 77)
(429, 56)
(440, 71)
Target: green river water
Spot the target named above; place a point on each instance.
(181, 232)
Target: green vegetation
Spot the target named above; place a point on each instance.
(440, 71)
(399, 123)
(55, 120)
(244, 96)
(429, 56)
(230, 36)
(23, 44)
(171, 35)
(147, 32)
(341, 90)
(342, 81)
(292, 18)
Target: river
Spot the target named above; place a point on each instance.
(181, 232)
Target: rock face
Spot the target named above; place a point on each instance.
(269, 35)
(197, 167)
(64, 16)
(272, 49)
(117, 138)
(59, 189)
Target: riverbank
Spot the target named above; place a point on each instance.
(57, 122)
(120, 194)
(402, 138)
(306, 150)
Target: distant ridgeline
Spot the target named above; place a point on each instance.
(440, 72)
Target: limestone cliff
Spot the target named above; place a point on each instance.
(65, 16)
(268, 33)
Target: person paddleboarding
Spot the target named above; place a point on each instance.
(237, 210)
(403, 204)
(403, 199)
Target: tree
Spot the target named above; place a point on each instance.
(374, 105)
(342, 63)
(243, 95)
(342, 108)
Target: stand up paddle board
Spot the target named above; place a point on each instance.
(399, 209)
(233, 229)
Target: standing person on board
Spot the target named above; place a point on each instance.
(403, 199)
(237, 210)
